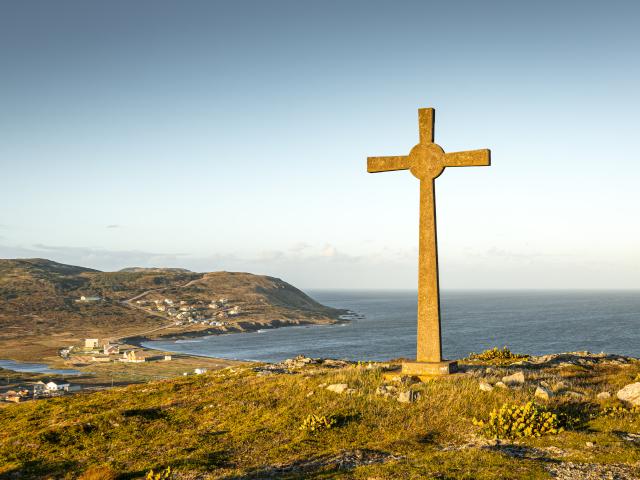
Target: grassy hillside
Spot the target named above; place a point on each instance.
(242, 423)
(39, 311)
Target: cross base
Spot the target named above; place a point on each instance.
(445, 367)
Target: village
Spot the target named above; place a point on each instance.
(192, 312)
(93, 352)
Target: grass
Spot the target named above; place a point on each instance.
(39, 313)
(234, 423)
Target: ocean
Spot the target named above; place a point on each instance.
(534, 322)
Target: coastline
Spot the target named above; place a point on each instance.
(57, 363)
(244, 327)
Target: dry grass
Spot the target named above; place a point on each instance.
(236, 424)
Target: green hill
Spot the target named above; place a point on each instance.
(40, 311)
(288, 421)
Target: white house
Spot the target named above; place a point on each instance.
(56, 387)
(200, 371)
(84, 298)
(91, 343)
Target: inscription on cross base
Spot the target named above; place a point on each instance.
(427, 161)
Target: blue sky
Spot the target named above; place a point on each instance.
(234, 136)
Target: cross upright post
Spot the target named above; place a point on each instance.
(427, 161)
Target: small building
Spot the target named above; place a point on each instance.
(37, 388)
(200, 371)
(234, 311)
(91, 343)
(167, 358)
(111, 349)
(84, 298)
(131, 357)
(56, 387)
(13, 396)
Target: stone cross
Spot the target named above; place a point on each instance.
(426, 161)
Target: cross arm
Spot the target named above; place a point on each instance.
(469, 158)
(387, 164)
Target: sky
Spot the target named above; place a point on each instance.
(234, 135)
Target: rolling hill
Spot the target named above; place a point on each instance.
(40, 311)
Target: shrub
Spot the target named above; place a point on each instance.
(618, 411)
(102, 472)
(314, 423)
(514, 421)
(163, 475)
(497, 354)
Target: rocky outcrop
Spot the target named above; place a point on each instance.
(630, 393)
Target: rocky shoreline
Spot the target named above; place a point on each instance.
(240, 327)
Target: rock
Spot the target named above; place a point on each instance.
(408, 396)
(338, 387)
(485, 387)
(386, 390)
(328, 362)
(500, 385)
(515, 379)
(542, 393)
(589, 444)
(630, 393)
(603, 395)
(298, 362)
(560, 386)
(576, 395)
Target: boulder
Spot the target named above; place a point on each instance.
(630, 393)
(515, 379)
(603, 395)
(542, 393)
(298, 362)
(485, 387)
(338, 387)
(501, 385)
(408, 396)
(328, 362)
(386, 390)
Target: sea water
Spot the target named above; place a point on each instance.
(534, 322)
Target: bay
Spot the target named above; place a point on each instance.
(534, 322)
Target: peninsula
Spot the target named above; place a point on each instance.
(65, 315)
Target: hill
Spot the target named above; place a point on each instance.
(317, 419)
(41, 311)
(154, 270)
